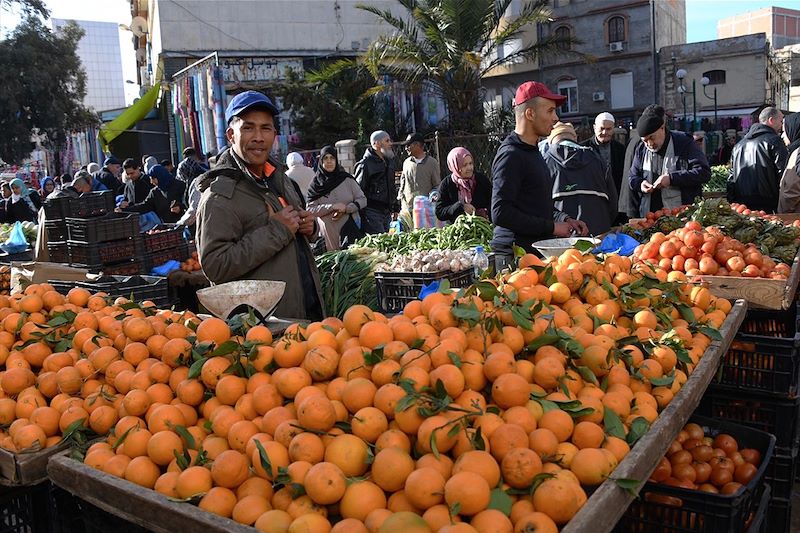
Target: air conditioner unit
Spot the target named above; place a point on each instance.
(618, 46)
(599, 96)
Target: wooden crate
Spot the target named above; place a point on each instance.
(760, 293)
(135, 504)
(608, 503)
(17, 469)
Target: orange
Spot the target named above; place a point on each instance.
(325, 483)
(194, 480)
(557, 499)
(360, 498)
(230, 469)
(481, 463)
(213, 330)
(469, 491)
(520, 466)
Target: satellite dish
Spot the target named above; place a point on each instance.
(139, 26)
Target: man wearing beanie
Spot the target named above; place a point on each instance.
(374, 173)
(109, 175)
(758, 162)
(581, 187)
(523, 209)
(669, 168)
(611, 152)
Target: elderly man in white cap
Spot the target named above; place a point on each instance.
(375, 175)
(610, 151)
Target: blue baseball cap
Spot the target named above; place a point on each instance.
(111, 160)
(249, 100)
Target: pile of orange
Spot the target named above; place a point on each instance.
(491, 409)
(192, 264)
(695, 251)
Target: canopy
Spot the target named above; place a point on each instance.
(128, 118)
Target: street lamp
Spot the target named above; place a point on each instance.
(704, 81)
(681, 74)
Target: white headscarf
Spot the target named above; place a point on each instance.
(149, 163)
(294, 159)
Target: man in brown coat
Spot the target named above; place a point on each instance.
(251, 220)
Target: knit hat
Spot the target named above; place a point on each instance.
(111, 160)
(378, 136)
(563, 129)
(604, 117)
(652, 118)
(92, 168)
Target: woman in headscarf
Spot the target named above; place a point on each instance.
(464, 190)
(335, 197)
(789, 193)
(299, 172)
(165, 198)
(48, 186)
(22, 205)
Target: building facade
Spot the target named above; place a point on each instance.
(613, 67)
(781, 25)
(101, 58)
(742, 70)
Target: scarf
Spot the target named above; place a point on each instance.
(45, 181)
(324, 182)
(163, 176)
(466, 186)
(23, 195)
(791, 125)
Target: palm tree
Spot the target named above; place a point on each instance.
(450, 45)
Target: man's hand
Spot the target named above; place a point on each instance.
(646, 187)
(562, 229)
(175, 208)
(662, 182)
(578, 226)
(340, 208)
(469, 209)
(306, 223)
(288, 216)
(123, 204)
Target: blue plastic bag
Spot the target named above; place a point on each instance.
(16, 242)
(617, 243)
(148, 221)
(166, 268)
(430, 288)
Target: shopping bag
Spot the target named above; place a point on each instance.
(16, 242)
(350, 232)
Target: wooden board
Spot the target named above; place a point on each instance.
(608, 503)
(22, 469)
(141, 506)
(760, 293)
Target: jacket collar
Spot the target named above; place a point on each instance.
(230, 169)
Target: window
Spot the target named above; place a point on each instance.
(563, 33)
(616, 29)
(622, 90)
(569, 88)
(715, 77)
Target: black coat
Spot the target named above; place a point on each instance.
(136, 191)
(758, 163)
(448, 207)
(523, 209)
(375, 176)
(108, 179)
(21, 211)
(160, 203)
(617, 159)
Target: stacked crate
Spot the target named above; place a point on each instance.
(758, 385)
(167, 243)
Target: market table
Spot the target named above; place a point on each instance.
(608, 503)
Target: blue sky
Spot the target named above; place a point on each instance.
(702, 15)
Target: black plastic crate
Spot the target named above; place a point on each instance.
(25, 509)
(168, 236)
(697, 511)
(176, 253)
(779, 516)
(91, 204)
(110, 227)
(56, 208)
(769, 323)
(778, 416)
(78, 516)
(781, 472)
(130, 267)
(102, 253)
(758, 523)
(58, 252)
(762, 364)
(396, 289)
(56, 229)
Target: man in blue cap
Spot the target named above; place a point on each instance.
(251, 220)
(109, 175)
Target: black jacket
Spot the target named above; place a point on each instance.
(375, 176)
(692, 172)
(617, 159)
(758, 162)
(581, 186)
(522, 197)
(109, 180)
(20, 211)
(160, 203)
(136, 191)
(448, 207)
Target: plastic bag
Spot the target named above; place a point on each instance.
(429, 288)
(617, 243)
(16, 242)
(166, 268)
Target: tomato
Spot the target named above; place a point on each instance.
(751, 456)
(663, 470)
(678, 263)
(737, 458)
(691, 443)
(702, 453)
(751, 271)
(730, 488)
(708, 266)
(744, 473)
(668, 250)
(720, 476)
(663, 499)
(708, 487)
(679, 458)
(688, 251)
(674, 447)
(736, 264)
(703, 471)
(684, 472)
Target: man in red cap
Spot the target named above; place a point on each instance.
(522, 188)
